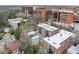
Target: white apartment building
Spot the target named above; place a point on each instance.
(15, 22)
(73, 49)
(35, 40)
(33, 37)
(59, 42)
(47, 30)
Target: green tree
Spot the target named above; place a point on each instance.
(37, 18)
(21, 14)
(7, 50)
(17, 33)
(12, 31)
(1, 30)
(23, 23)
(28, 49)
(35, 48)
(12, 14)
(6, 24)
(3, 16)
(31, 49)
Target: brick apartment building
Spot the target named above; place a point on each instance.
(44, 12)
(62, 15)
(59, 43)
(29, 9)
(77, 16)
(47, 30)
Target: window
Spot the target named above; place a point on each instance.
(39, 30)
(46, 34)
(55, 15)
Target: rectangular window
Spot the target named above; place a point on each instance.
(46, 34)
(55, 15)
(40, 30)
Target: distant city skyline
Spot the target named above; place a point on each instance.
(48, 6)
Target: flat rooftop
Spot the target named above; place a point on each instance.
(60, 23)
(73, 49)
(31, 33)
(55, 40)
(47, 27)
(16, 20)
(35, 37)
(64, 10)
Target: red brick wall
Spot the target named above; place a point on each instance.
(30, 9)
(70, 18)
(64, 46)
(45, 44)
(42, 11)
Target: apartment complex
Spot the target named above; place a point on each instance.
(15, 22)
(62, 15)
(59, 42)
(29, 9)
(47, 30)
(73, 49)
(42, 11)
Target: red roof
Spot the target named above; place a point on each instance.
(13, 46)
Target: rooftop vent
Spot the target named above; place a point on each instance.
(60, 34)
(54, 43)
(48, 39)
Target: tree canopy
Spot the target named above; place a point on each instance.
(31, 49)
(17, 34)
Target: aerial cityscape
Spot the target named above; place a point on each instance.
(34, 29)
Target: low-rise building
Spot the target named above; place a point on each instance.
(14, 47)
(59, 42)
(73, 49)
(31, 34)
(47, 30)
(29, 9)
(15, 22)
(63, 15)
(4, 42)
(33, 37)
(35, 40)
